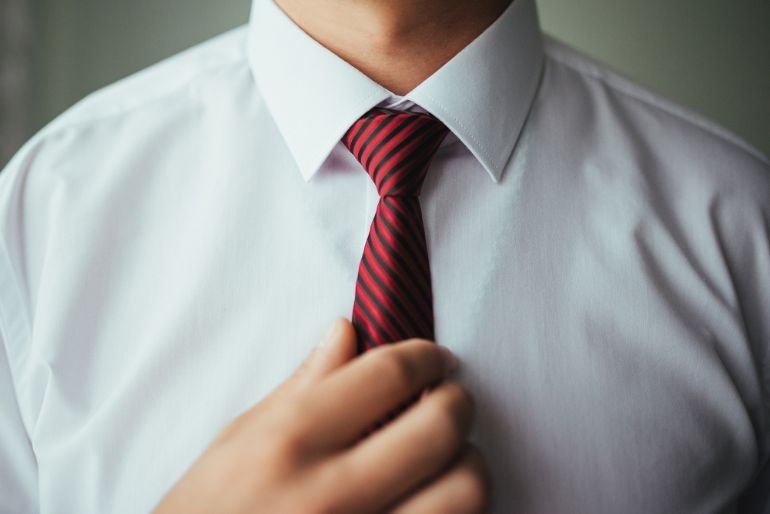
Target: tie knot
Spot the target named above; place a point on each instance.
(395, 148)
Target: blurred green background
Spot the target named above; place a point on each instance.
(713, 56)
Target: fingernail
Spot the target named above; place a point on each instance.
(331, 333)
(450, 359)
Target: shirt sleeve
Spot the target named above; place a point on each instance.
(18, 462)
(18, 466)
(745, 226)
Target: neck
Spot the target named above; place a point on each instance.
(396, 43)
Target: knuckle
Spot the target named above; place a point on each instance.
(473, 479)
(472, 490)
(290, 445)
(463, 397)
(446, 432)
(399, 368)
(292, 433)
(340, 471)
(449, 414)
(431, 352)
(329, 478)
(458, 400)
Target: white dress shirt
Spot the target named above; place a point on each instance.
(172, 247)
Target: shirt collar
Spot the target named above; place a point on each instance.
(482, 94)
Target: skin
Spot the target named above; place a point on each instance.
(308, 446)
(396, 43)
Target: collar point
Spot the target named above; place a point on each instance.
(307, 171)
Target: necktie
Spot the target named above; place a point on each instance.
(393, 297)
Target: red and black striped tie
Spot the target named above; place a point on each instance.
(393, 298)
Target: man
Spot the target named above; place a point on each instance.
(597, 257)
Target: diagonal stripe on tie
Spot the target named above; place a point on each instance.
(393, 297)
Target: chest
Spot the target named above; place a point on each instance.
(594, 386)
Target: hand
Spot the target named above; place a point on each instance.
(300, 449)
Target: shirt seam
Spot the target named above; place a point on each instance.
(56, 127)
(589, 70)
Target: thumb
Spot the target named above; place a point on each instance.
(337, 347)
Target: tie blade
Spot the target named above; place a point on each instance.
(393, 296)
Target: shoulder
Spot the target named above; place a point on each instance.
(176, 75)
(153, 96)
(162, 104)
(628, 94)
(642, 135)
(143, 126)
